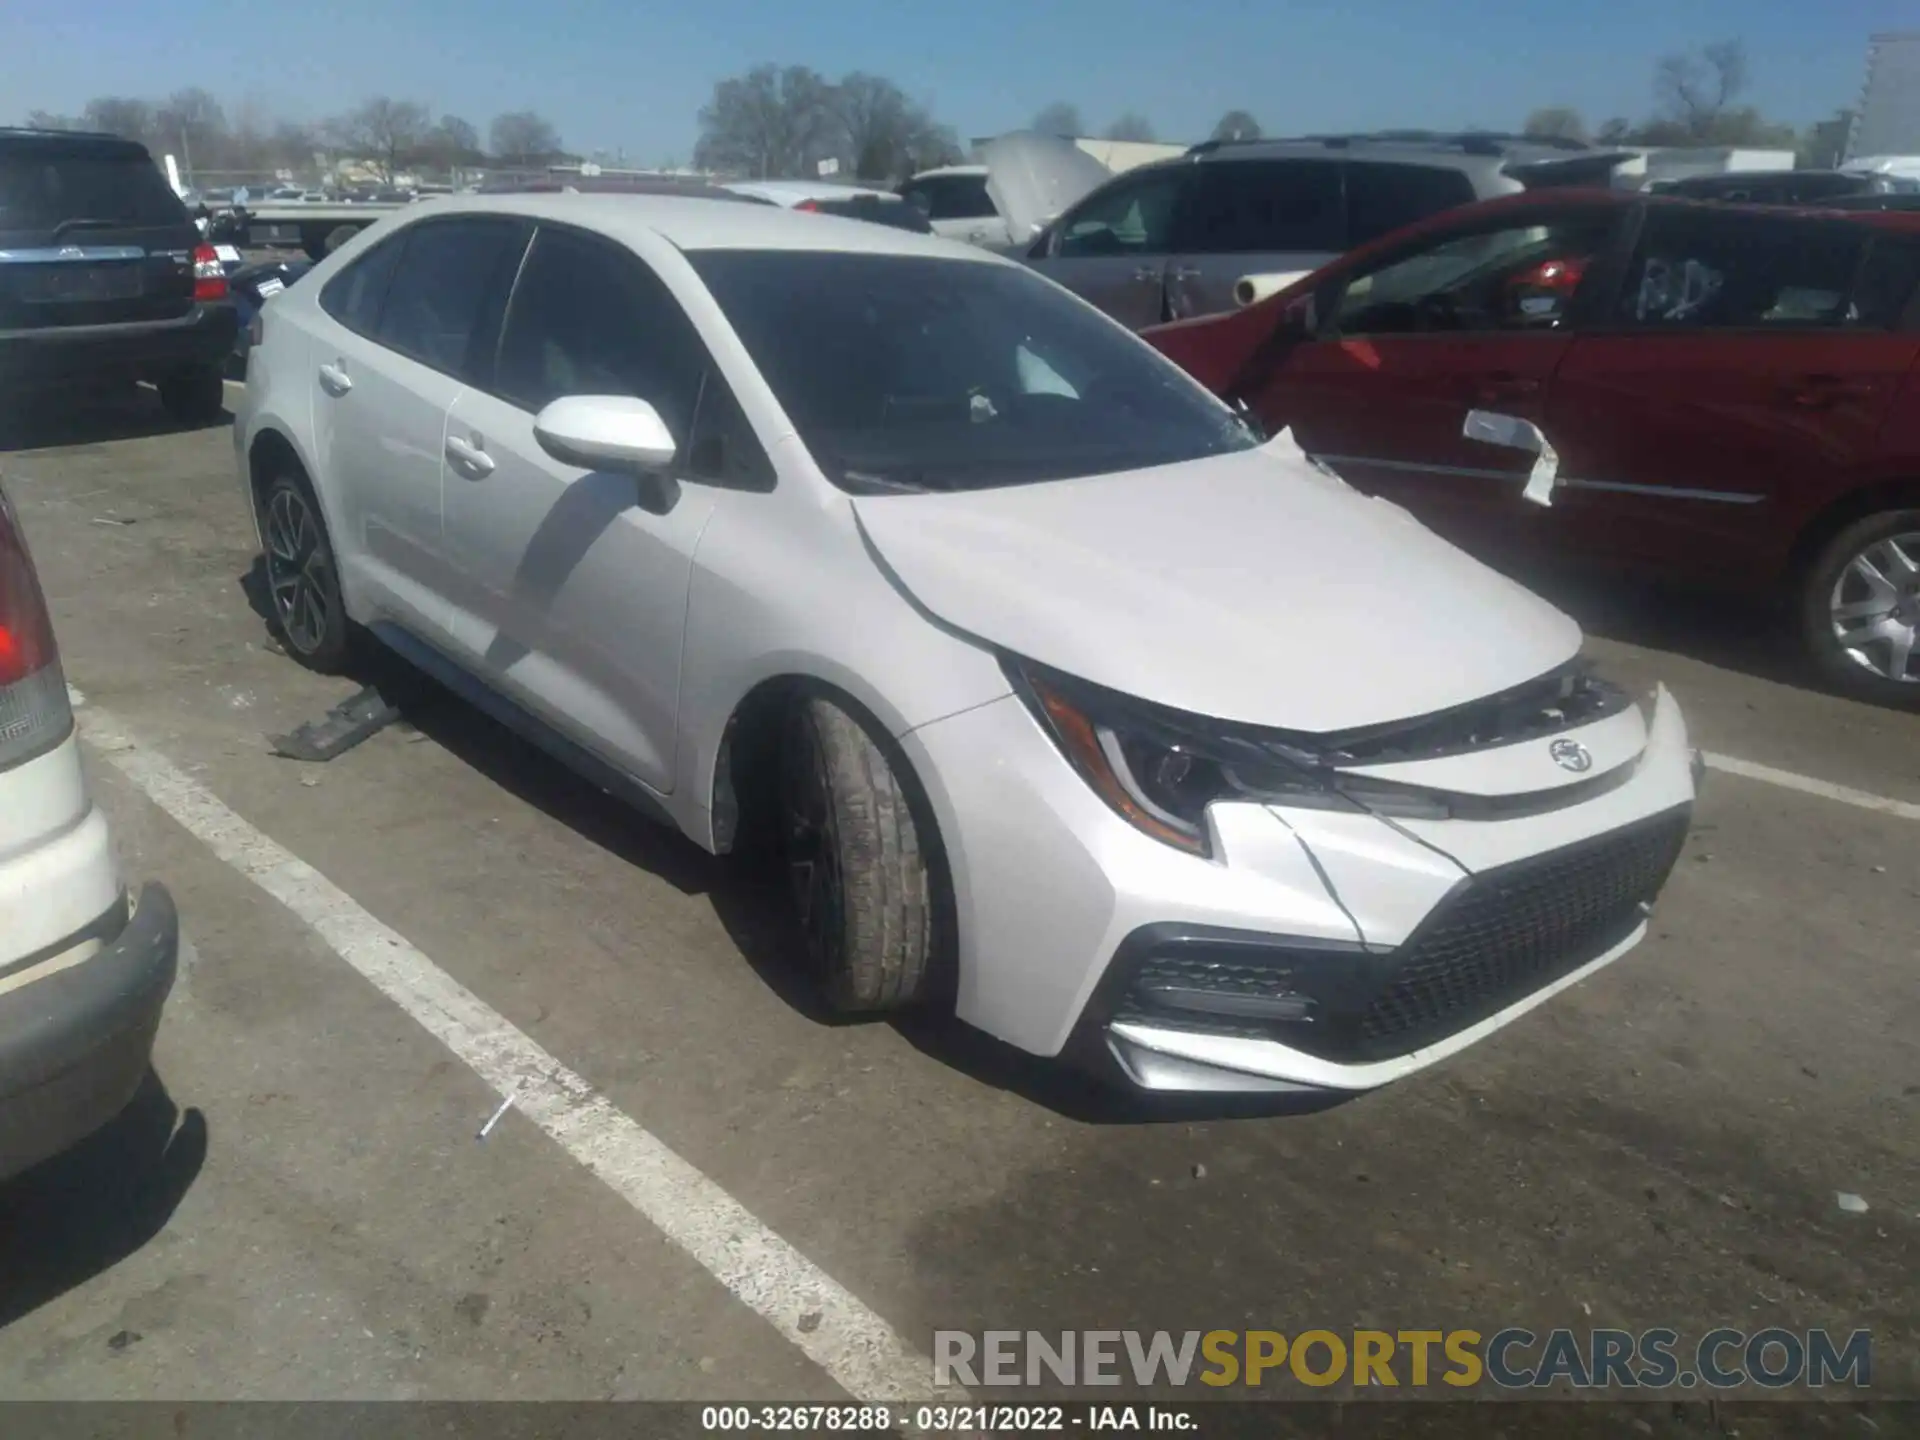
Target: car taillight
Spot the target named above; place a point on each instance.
(209, 277)
(812, 205)
(34, 715)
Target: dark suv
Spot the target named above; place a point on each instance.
(103, 277)
(1172, 240)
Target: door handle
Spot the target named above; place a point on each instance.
(1817, 392)
(1148, 275)
(1184, 272)
(1501, 386)
(469, 459)
(334, 380)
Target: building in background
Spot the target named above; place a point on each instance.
(1888, 122)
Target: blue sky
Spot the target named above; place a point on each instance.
(633, 75)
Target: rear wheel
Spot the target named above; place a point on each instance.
(858, 866)
(194, 396)
(1860, 606)
(303, 583)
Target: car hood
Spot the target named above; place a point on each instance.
(1032, 177)
(1249, 587)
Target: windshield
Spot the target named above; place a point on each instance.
(913, 372)
(43, 186)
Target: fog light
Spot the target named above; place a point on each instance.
(1238, 1005)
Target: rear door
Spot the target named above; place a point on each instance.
(1472, 319)
(1112, 248)
(407, 323)
(1740, 383)
(1252, 217)
(90, 234)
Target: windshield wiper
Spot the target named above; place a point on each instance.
(85, 222)
(869, 481)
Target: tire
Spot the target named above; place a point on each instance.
(859, 868)
(1838, 591)
(303, 582)
(195, 396)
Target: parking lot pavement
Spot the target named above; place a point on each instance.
(1662, 1145)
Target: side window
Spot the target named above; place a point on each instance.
(952, 197)
(1522, 277)
(353, 296)
(449, 274)
(1132, 218)
(1888, 279)
(1242, 206)
(1701, 269)
(1383, 198)
(589, 318)
(723, 448)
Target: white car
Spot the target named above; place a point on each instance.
(1072, 705)
(832, 197)
(84, 974)
(1024, 180)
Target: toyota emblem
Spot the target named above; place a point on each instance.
(1571, 755)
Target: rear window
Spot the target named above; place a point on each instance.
(1384, 198)
(951, 197)
(905, 372)
(895, 213)
(44, 187)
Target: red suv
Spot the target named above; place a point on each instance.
(1731, 393)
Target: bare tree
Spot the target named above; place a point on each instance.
(452, 142)
(385, 133)
(47, 120)
(523, 137)
(769, 122)
(1131, 126)
(1616, 131)
(1059, 118)
(1695, 88)
(117, 115)
(1237, 125)
(191, 122)
(1556, 122)
(886, 135)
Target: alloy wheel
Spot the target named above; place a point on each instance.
(1874, 610)
(298, 571)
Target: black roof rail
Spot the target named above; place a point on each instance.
(41, 132)
(1469, 142)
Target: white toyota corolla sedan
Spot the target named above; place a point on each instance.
(1071, 704)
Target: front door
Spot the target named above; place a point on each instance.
(1469, 321)
(1738, 388)
(1112, 249)
(572, 597)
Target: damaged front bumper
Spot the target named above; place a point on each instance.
(1314, 950)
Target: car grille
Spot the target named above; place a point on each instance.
(1510, 931)
(1497, 938)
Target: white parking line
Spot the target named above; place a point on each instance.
(1807, 785)
(863, 1353)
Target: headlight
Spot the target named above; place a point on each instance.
(1159, 769)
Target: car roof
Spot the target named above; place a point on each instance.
(693, 223)
(805, 189)
(940, 170)
(98, 142)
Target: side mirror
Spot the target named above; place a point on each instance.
(606, 432)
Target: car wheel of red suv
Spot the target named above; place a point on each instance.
(1860, 606)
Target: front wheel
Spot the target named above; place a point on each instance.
(858, 866)
(1860, 606)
